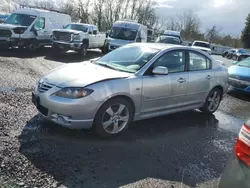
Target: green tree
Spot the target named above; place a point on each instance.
(245, 37)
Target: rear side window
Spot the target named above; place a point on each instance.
(198, 62)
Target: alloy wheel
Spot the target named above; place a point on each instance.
(115, 118)
(213, 101)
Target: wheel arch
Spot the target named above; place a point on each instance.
(85, 41)
(123, 96)
(220, 88)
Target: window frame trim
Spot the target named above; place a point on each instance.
(207, 59)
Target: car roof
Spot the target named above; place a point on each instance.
(165, 46)
(165, 36)
(82, 24)
(201, 41)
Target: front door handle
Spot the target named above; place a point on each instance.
(181, 80)
(209, 77)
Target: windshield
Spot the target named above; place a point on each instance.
(169, 40)
(123, 33)
(244, 63)
(76, 27)
(128, 58)
(20, 19)
(202, 44)
(172, 35)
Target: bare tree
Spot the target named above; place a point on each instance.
(212, 33)
(45, 4)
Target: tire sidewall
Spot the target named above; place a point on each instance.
(98, 118)
(84, 50)
(204, 109)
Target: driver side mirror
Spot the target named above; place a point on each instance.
(160, 70)
(190, 44)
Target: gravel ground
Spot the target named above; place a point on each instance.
(180, 150)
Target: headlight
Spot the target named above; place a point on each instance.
(73, 93)
(75, 37)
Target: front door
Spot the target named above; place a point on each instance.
(43, 36)
(163, 92)
(200, 76)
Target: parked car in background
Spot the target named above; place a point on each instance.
(150, 35)
(225, 53)
(239, 54)
(79, 37)
(168, 40)
(230, 53)
(239, 75)
(202, 45)
(134, 82)
(237, 171)
(31, 27)
(125, 32)
(171, 33)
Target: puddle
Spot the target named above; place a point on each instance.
(228, 122)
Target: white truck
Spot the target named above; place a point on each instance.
(124, 32)
(31, 27)
(78, 37)
(202, 45)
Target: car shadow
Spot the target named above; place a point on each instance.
(239, 95)
(160, 148)
(24, 53)
(47, 53)
(72, 56)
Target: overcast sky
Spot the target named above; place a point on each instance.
(230, 15)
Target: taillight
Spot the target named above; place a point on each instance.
(242, 147)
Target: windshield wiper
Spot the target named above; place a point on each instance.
(108, 66)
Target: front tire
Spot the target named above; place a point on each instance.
(84, 50)
(212, 102)
(113, 117)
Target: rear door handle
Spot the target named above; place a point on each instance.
(209, 77)
(181, 80)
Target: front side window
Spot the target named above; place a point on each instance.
(123, 33)
(198, 62)
(39, 24)
(128, 58)
(20, 19)
(174, 61)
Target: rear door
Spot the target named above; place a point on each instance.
(200, 77)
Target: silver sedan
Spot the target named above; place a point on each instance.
(134, 82)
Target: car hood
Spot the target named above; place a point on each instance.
(201, 48)
(243, 72)
(119, 42)
(67, 31)
(81, 75)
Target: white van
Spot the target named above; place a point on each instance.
(31, 27)
(124, 32)
(171, 33)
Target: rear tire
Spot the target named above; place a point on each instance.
(212, 102)
(113, 117)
